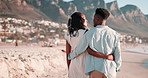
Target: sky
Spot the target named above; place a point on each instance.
(142, 4)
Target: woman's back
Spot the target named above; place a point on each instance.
(77, 65)
(74, 41)
(77, 25)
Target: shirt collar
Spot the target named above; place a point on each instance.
(100, 26)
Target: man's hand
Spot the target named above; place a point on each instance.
(110, 57)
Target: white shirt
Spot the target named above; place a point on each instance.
(77, 65)
(74, 41)
(104, 40)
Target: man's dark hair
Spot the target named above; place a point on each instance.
(104, 13)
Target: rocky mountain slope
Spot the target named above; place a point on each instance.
(20, 9)
(128, 19)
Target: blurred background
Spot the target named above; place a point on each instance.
(32, 41)
(33, 21)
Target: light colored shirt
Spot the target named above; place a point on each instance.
(79, 62)
(74, 41)
(104, 40)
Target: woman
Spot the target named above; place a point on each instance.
(77, 26)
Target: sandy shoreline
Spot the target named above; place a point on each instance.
(133, 65)
(49, 62)
(32, 62)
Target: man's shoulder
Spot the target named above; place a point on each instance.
(90, 31)
(112, 30)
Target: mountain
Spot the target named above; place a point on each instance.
(116, 13)
(50, 8)
(128, 19)
(136, 19)
(68, 7)
(88, 7)
(20, 9)
(133, 14)
(117, 18)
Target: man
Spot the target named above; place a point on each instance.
(101, 39)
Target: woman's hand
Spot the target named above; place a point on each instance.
(110, 57)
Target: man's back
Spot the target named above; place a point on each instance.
(104, 40)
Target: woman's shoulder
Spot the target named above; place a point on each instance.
(66, 35)
(82, 31)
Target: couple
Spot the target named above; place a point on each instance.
(93, 53)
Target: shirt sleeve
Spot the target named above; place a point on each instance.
(117, 53)
(81, 47)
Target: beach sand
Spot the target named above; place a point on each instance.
(134, 65)
(50, 62)
(32, 62)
